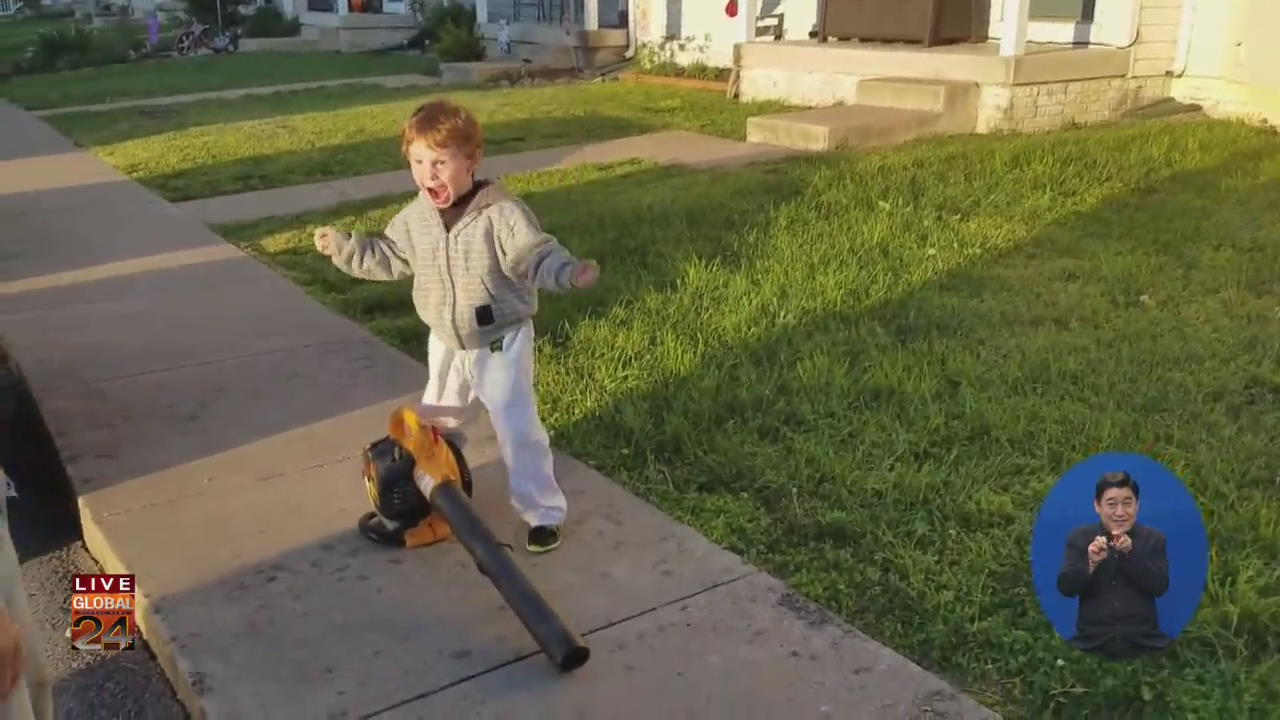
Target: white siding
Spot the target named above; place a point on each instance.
(708, 34)
(1157, 44)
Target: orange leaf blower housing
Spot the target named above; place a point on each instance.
(403, 516)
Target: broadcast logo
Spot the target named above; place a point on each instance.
(102, 612)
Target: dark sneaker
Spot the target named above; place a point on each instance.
(543, 538)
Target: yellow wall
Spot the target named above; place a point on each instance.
(1157, 45)
(1233, 61)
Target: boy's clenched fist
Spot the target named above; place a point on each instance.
(326, 238)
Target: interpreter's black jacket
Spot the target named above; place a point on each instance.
(1118, 600)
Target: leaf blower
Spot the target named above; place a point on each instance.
(420, 487)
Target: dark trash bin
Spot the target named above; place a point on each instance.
(928, 22)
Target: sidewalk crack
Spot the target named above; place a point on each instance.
(526, 656)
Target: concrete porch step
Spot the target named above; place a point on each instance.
(941, 96)
(831, 128)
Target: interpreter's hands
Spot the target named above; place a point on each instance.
(12, 657)
(1123, 544)
(585, 274)
(1097, 551)
(326, 239)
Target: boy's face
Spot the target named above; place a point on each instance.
(442, 175)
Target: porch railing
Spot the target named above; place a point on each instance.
(586, 14)
(9, 7)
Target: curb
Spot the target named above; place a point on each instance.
(148, 620)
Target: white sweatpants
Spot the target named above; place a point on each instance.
(502, 381)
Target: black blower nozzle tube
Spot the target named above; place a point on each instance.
(563, 646)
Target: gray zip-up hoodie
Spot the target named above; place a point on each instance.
(472, 282)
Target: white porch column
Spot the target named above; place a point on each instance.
(590, 14)
(342, 6)
(747, 10)
(1013, 30)
(482, 11)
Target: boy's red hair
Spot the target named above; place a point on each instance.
(443, 125)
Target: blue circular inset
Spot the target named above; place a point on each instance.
(1164, 504)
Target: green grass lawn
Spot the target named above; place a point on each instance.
(203, 73)
(206, 149)
(864, 371)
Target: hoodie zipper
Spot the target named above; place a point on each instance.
(449, 236)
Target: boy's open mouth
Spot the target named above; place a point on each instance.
(439, 194)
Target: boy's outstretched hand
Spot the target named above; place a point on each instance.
(585, 274)
(324, 239)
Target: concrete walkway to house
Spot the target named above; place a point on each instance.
(675, 147)
(391, 81)
(210, 415)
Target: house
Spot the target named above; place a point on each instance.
(352, 25)
(556, 33)
(1000, 64)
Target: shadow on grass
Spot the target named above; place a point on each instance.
(108, 127)
(155, 77)
(379, 154)
(886, 450)
(114, 126)
(631, 208)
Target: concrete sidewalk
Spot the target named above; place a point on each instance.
(210, 415)
(391, 81)
(668, 148)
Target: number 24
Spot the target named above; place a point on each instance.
(117, 634)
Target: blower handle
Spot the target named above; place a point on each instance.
(563, 646)
(422, 438)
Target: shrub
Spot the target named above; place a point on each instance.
(269, 22)
(56, 47)
(116, 43)
(452, 30)
(660, 59)
(75, 46)
(454, 15)
(459, 45)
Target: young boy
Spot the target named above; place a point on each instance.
(478, 257)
